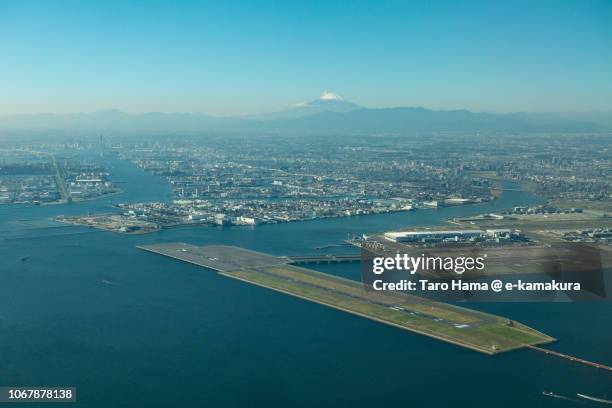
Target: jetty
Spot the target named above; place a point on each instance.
(568, 357)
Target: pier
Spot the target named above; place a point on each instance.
(568, 357)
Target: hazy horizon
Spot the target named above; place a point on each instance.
(289, 107)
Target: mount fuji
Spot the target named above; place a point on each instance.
(327, 102)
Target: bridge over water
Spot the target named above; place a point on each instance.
(327, 258)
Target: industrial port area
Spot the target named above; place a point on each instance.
(30, 176)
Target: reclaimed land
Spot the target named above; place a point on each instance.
(472, 329)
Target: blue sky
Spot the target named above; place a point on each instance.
(246, 57)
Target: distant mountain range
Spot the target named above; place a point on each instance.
(411, 120)
(329, 114)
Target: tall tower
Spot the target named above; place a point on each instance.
(102, 145)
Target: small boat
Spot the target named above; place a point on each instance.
(588, 397)
(24, 258)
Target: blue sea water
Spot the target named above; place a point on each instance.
(132, 329)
